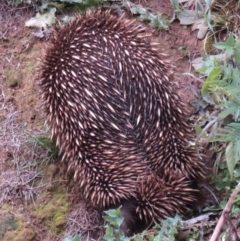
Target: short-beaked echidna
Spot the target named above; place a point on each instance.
(157, 196)
(111, 102)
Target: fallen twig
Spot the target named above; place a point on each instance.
(227, 209)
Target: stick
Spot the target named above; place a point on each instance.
(227, 209)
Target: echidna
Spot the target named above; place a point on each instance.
(157, 196)
(110, 100)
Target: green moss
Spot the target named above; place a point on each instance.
(19, 224)
(23, 232)
(29, 65)
(27, 70)
(28, 62)
(8, 222)
(32, 53)
(59, 221)
(26, 234)
(7, 207)
(12, 78)
(53, 212)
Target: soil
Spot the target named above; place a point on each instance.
(58, 209)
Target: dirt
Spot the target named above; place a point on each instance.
(56, 208)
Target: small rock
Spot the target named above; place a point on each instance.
(7, 223)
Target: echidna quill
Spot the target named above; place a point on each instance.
(110, 100)
(157, 196)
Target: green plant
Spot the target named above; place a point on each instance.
(221, 122)
(16, 3)
(223, 181)
(84, 2)
(114, 220)
(221, 89)
(77, 238)
(157, 20)
(199, 14)
(165, 231)
(49, 145)
(168, 229)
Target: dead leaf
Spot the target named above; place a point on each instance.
(188, 17)
(202, 28)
